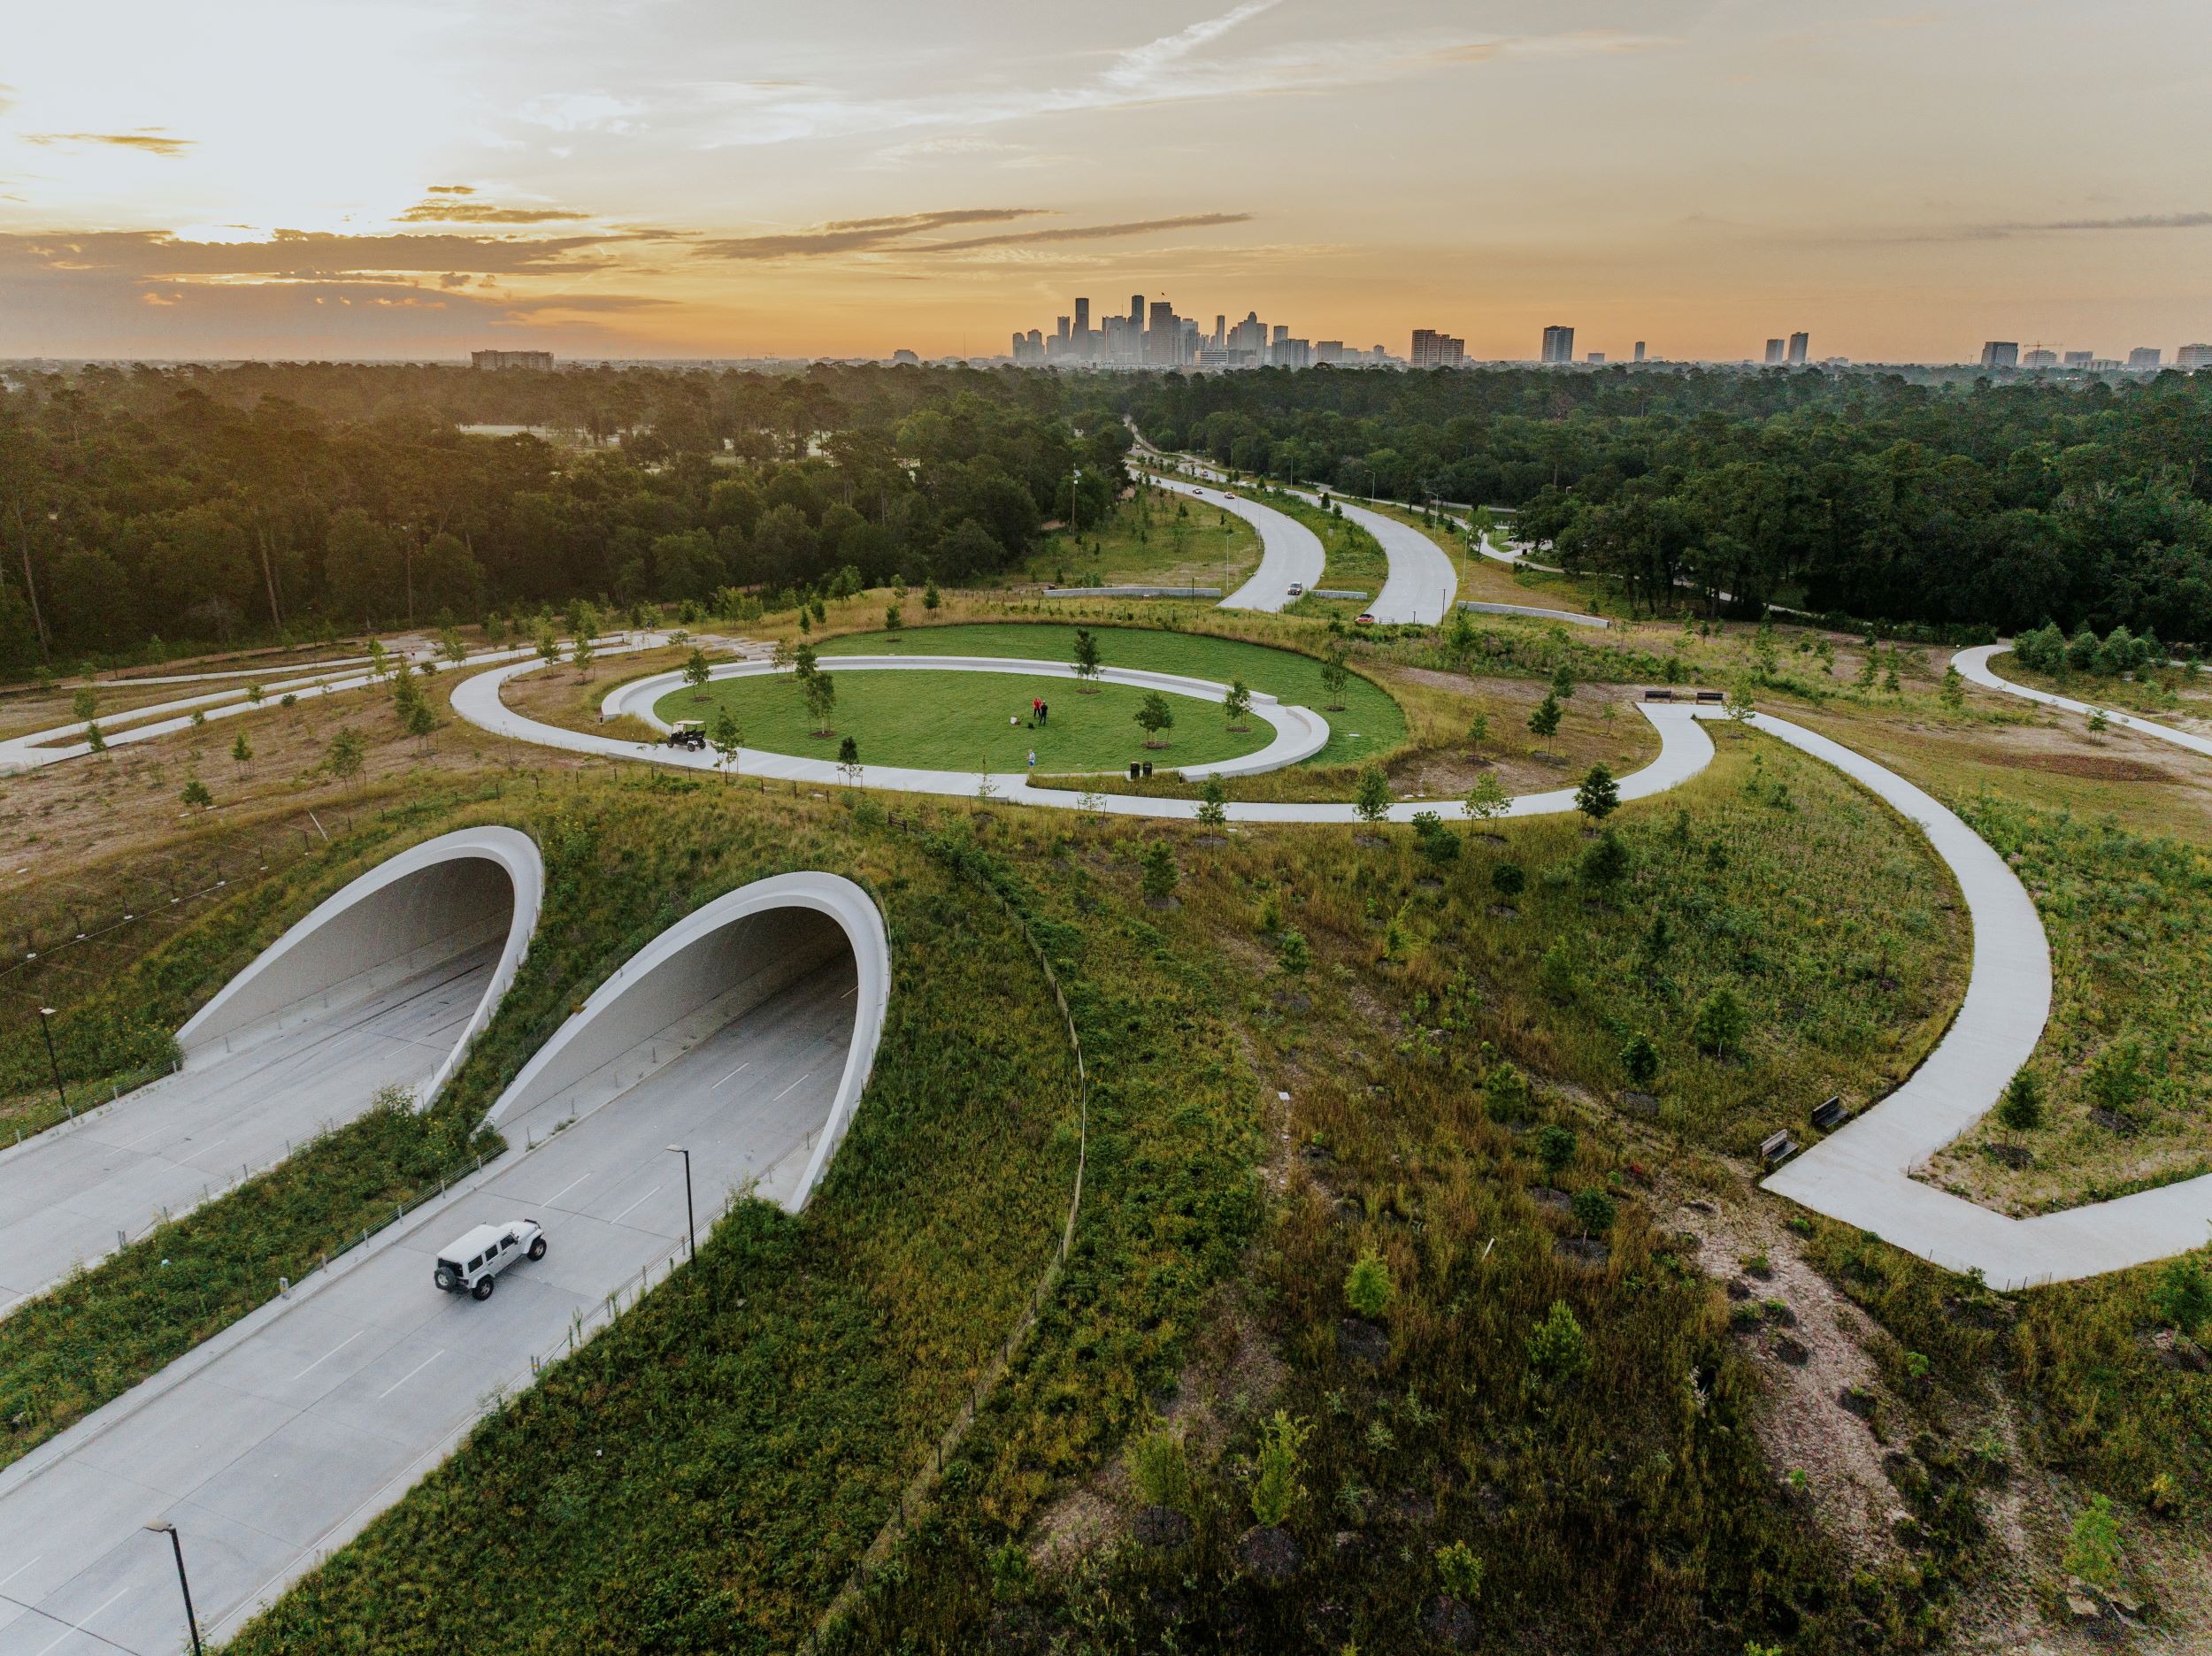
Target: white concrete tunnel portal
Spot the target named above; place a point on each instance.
(727, 1017)
(457, 911)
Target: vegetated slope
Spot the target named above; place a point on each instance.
(703, 1475)
(1544, 1379)
(2122, 1065)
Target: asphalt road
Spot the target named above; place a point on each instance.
(279, 1440)
(65, 1193)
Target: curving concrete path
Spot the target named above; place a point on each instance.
(1290, 553)
(279, 1439)
(387, 983)
(1684, 751)
(38, 749)
(1299, 732)
(1974, 667)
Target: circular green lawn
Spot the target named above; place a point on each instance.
(952, 720)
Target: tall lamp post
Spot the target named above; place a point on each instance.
(162, 1526)
(46, 1028)
(691, 1223)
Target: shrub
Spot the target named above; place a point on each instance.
(1276, 1491)
(1544, 723)
(1557, 1348)
(2093, 1551)
(1594, 1211)
(1372, 798)
(1505, 1094)
(2115, 1079)
(2022, 1107)
(2182, 1296)
(1458, 1571)
(1600, 795)
(1555, 973)
(1555, 1148)
(1640, 1059)
(1509, 880)
(1367, 1287)
(1718, 1027)
(1160, 872)
(1213, 803)
(1606, 860)
(1294, 952)
(1160, 1470)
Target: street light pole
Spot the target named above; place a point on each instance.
(46, 1028)
(162, 1526)
(691, 1223)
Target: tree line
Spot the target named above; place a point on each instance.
(1938, 499)
(148, 510)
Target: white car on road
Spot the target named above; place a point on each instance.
(471, 1263)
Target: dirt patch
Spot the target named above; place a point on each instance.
(2096, 767)
(1810, 1368)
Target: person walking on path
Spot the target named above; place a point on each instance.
(1032, 760)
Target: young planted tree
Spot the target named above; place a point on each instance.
(1720, 1022)
(1161, 875)
(1509, 880)
(85, 705)
(1599, 796)
(242, 754)
(1154, 716)
(848, 761)
(697, 671)
(894, 618)
(1640, 1061)
(726, 737)
(930, 599)
(348, 754)
(1478, 734)
(1557, 1348)
(1213, 802)
(1562, 682)
(582, 652)
(452, 647)
(1367, 1285)
(548, 644)
(1371, 799)
(195, 795)
(1087, 661)
(1236, 707)
(820, 690)
(1335, 675)
(1487, 799)
(2021, 1110)
(1544, 722)
(1276, 1491)
(421, 721)
(1594, 1211)
(1953, 689)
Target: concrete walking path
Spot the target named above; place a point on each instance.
(1290, 553)
(1974, 667)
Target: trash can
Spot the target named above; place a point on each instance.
(1136, 770)
(1148, 766)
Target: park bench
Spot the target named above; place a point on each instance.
(1658, 696)
(1712, 695)
(1776, 1146)
(1831, 1116)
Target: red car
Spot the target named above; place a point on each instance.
(1364, 618)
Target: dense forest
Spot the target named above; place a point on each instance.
(1860, 493)
(147, 509)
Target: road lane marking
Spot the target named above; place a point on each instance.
(626, 1212)
(327, 1356)
(18, 1570)
(738, 1072)
(564, 1189)
(83, 1627)
(779, 1098)
(410, 1375)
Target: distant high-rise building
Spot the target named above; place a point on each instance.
(1291, 353)
(1082, 315)
(2040, 358)
(2144, 356)
(1559, 344)
(1221, 333)
(2080, 358)
(904, 358)
(1775, 348)
(1800, 346)
(1999, 353)
(1432, 349)
(1136, 308)
(1328, 352)
(1640, 351)
(2193, 356)
(498, 361)
(1161, 336)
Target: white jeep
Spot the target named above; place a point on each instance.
(471, 1263)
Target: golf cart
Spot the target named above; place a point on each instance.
(688, 733)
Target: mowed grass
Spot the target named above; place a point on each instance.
(958, 721)
(1369, 723)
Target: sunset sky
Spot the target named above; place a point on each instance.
(697, 178)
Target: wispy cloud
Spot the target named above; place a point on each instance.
(458, 210)
(151, 140)
(857, 235)
(2005, 230)
(2139, 221)
(1169, 69)
(910, 234)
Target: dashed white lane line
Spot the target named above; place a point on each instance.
(410, 1375)
(327, 1356)
(634, 1207)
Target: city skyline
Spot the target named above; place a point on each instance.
(854, 181)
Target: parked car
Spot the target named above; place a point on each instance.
(688, 733)
(471, 1263)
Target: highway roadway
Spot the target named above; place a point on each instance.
(280, 1438)
(65, 1193)
(1290, 553)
